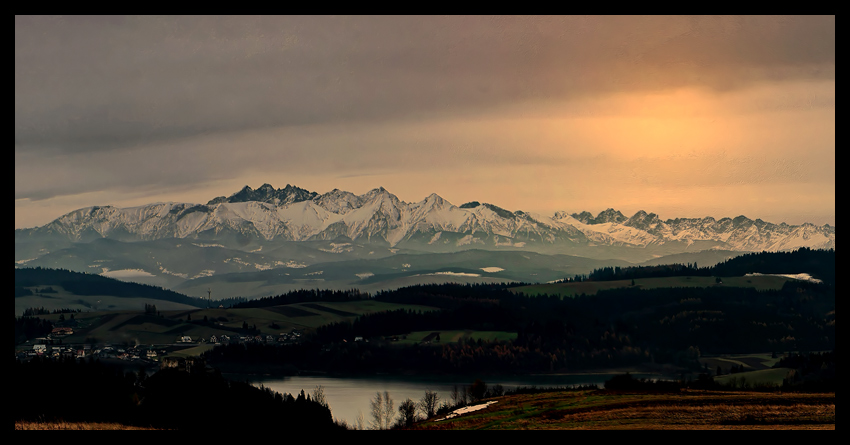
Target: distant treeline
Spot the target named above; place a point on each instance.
(819, 264)
(304, 296)
(424, 294)
(92, 284)
(88, 391)
(32, 311)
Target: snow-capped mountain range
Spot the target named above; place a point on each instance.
(378, 216)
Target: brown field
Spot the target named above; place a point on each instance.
(687, 410)
(60, 425)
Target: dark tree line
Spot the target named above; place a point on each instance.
(88, 391)
(33, 311)
(305, 296)
(819, 263)
(28, 327)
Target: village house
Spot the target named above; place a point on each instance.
(62, 331)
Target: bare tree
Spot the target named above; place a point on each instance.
(319, 396)
(377, 405)
(360, 423)
(407, 413)
(455, 395)
(389, 410)
(428, 404)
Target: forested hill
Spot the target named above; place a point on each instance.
(820, 264)
(92, 284)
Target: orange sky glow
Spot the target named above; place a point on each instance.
(681, 116)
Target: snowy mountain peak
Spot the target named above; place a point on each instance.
(266, 193)
(643, 221)
(605, 216)
(610, 215)
(436, 200)
(379, 193)
(295, 214)
(584, 216)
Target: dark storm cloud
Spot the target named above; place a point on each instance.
(89, 84)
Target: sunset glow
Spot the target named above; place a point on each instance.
(681, 116)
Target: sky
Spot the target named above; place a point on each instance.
(677, 115)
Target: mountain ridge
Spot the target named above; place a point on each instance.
(296, 214)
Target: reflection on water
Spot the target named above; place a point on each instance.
(349, 395)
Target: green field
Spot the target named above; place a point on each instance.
(751, 362)
(63, 299)
(591, 287)
(754, 378)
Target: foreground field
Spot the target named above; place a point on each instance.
(599, 409)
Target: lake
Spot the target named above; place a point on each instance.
(348, 396)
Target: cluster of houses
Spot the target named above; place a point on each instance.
(139, 352)
(284, 337)
(51, 346)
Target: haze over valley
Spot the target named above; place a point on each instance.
(271, 240)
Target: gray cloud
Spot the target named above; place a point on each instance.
(89, 84)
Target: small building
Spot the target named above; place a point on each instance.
(62, 331)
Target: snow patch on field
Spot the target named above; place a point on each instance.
(176, 274)
(365, 275)
(338, 248)
(204, 273)
(454, 274)
(208, 245)
(238, 261)
(127, 273)
(26, 261)
(318, 272)
(292, 264)
(798, 276)
(467, 409)
(435, 238)
(468, 239)
(492, 269)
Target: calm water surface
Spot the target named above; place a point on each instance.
(348, 396)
